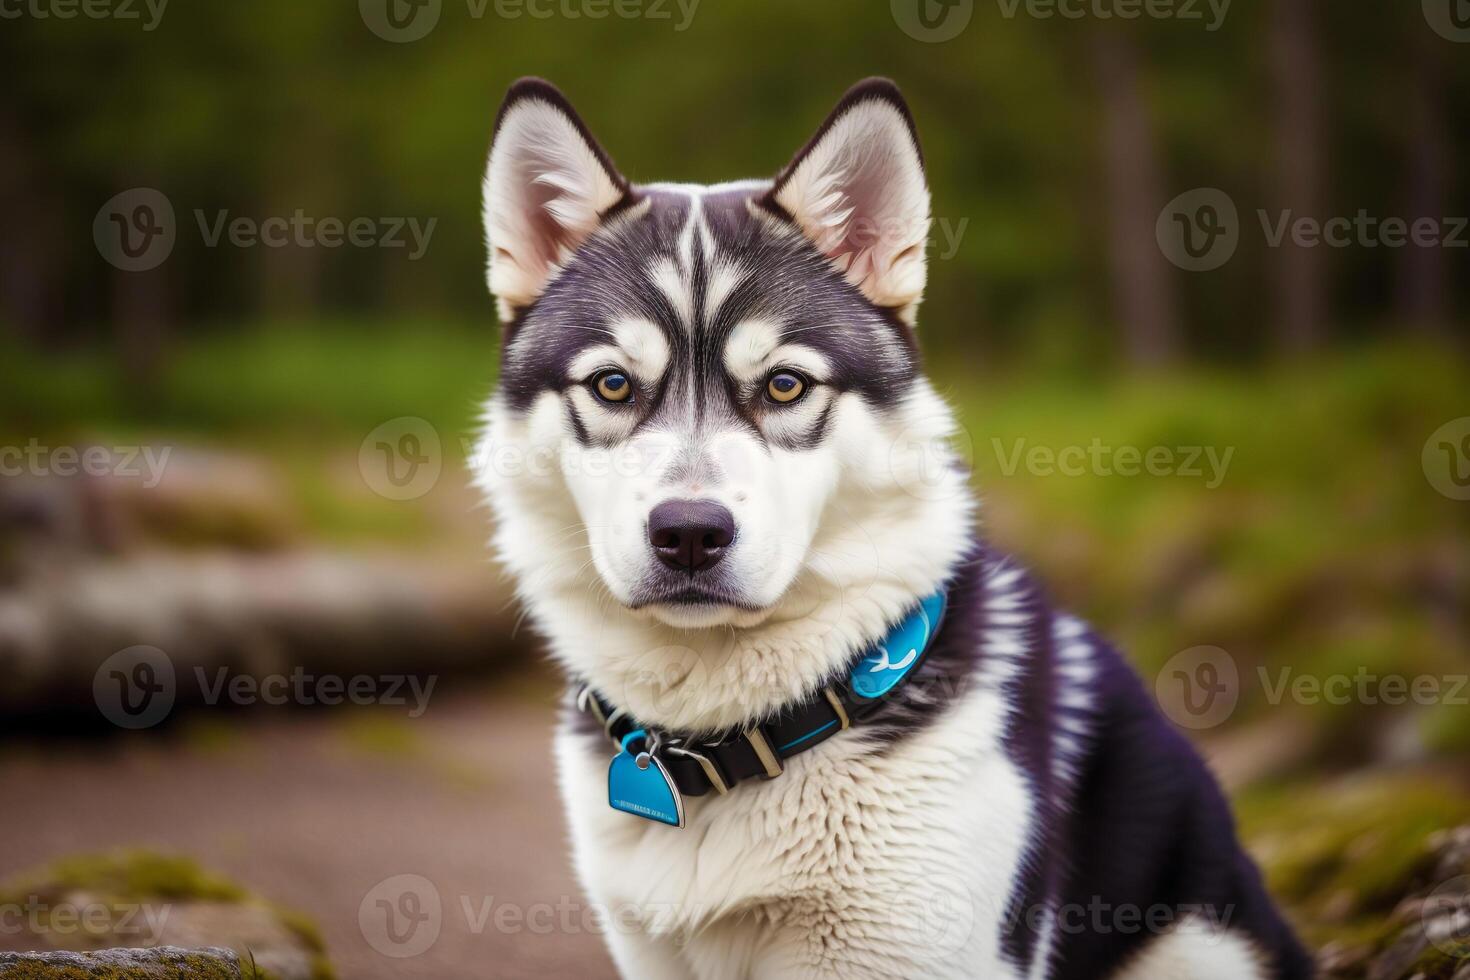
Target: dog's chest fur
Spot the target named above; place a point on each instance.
(897, 848)
(850, 856)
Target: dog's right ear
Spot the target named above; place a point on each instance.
(547, 186)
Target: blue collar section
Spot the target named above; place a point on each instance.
(894, 658)
(653, 770)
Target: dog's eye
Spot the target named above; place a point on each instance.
(785, 387)
(613, 386)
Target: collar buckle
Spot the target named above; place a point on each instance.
(769, 760)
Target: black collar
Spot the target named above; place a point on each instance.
(698, 764)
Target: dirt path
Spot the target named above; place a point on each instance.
(316, 810)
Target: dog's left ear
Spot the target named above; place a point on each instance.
(858, 192)
(548, 185)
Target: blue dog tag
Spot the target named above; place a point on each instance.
(639, 784)
(900, 651)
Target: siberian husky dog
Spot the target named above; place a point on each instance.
(814, 727)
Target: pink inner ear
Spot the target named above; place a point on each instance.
(548, 236)
(866, 230)
(859, 194)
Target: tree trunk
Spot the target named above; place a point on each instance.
(29, 239)
(1423, 288)
(1142, 295)
(140, 311)
(1297, 273)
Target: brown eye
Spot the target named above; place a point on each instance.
(613, 386)
(785, 387)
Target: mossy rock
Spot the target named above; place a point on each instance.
(1355, 863)
(158, 963)
(82, 903)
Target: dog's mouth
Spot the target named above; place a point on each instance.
(692, 597)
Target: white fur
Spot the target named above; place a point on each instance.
(860, 195)
(544, 193)
(1195, 950)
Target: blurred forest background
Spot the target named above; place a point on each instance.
(1058, 315)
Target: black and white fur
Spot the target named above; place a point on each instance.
(1021, 782)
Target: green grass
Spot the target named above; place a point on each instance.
(1323, 547)
(291, 381)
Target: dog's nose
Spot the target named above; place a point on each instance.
(690, 535)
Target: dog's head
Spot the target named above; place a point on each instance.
(710, 396)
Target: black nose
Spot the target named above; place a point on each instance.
(690, 534)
